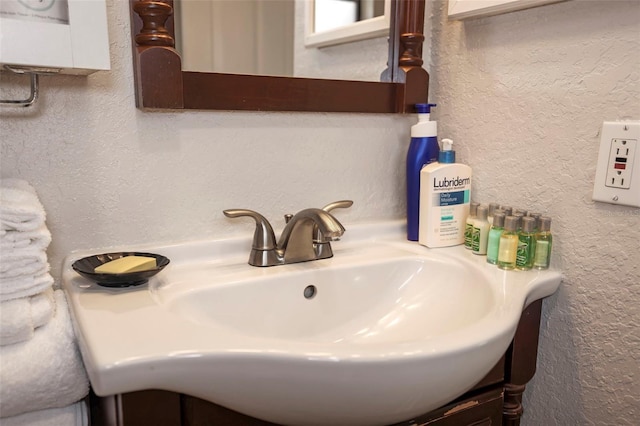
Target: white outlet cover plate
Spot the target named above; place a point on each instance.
(625, 130)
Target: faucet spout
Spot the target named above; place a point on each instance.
(296, 243)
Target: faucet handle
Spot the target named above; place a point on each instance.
(263, 237)
(342, 204)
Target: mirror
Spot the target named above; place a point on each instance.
(161, 83)
(257, 36)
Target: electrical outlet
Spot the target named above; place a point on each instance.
(615, 180)
(620, 164)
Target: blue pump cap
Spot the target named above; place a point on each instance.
(447, 155)
(424, 108)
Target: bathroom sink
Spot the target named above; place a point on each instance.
(384, 331)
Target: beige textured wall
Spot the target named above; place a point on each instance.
(524, 95)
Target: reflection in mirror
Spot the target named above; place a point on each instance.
(257, 37)
(238, 37)
(331, 14)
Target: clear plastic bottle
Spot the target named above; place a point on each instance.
(526, 244)
(542, 257)
(493, 242)
(508, 248)
(468, 229)
(480, 231)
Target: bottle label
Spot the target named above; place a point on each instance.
(452, 198)
(475, 239)
(523, 253)
(468, 232)
(542, 254)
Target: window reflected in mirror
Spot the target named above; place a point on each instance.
(331, 14)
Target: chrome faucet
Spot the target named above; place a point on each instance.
(305, 237)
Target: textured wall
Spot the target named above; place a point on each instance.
(109, 174)
(524, 95)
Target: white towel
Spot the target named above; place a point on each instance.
(24, 286)
(19, 318)
(15, 263)
(36, 239)
(45, 371)
(71, 415)
(20, 208)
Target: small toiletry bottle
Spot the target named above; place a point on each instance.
(542, 256)
(423, 150)
(508, 248)
(445, 194)
(492, 209)
(480, 231)
(468, 229)
(493, 242)
(526, 244)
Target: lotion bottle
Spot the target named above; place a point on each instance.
(480, 231)
(445, 194)
(423, 150)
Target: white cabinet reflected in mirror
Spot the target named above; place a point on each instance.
(257, 36)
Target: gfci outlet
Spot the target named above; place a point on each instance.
(617, 178)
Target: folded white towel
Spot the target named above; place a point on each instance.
(37, 239)
(15, 263)
(24, 286)
(19, 318)
(45, 371)
(20, 208)
(71, 415)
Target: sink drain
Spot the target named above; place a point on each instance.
(310, 291)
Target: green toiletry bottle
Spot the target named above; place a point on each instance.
(508, 248)
(526, 244)
(493, 242)
(542, 256)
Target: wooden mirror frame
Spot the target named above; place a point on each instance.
(160, 82)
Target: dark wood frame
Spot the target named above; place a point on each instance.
(161, 83)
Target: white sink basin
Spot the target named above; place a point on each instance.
(382, 332)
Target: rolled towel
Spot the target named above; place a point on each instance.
(24, 286)
(20, 208)
(15, 263)
(71, 415)
(37, 239)
(45, 371)
(19, 318)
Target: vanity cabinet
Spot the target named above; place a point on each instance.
(495, 400)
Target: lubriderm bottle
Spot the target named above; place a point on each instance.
(445, 193)
(508, 248)
(423, 150)
(542, 255)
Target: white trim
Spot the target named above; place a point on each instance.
(370, 28)
(464, 9)
(80, 47)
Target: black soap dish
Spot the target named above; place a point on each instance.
(86, 267)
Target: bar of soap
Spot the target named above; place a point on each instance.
(127, 264)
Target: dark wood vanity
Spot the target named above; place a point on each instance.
(496, 400)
